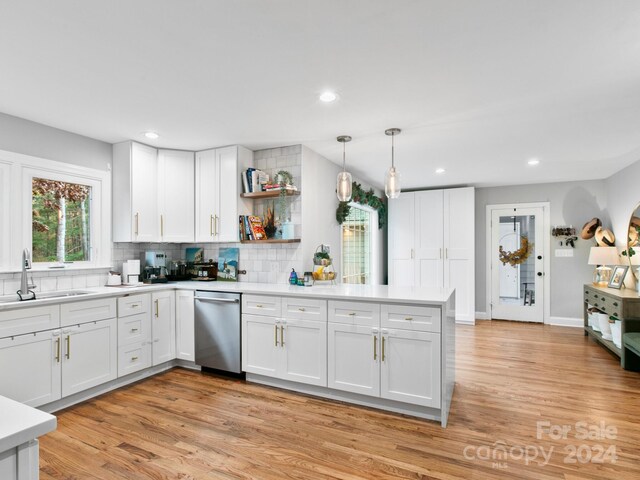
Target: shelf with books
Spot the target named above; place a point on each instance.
(269, 194)
(273, 240)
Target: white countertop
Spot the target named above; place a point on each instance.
(378, 293)
(20, 423)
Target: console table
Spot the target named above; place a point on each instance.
(623, 304)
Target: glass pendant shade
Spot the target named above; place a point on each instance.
(344, 186)
(392, 183)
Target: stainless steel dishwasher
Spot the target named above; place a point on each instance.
(217, 331)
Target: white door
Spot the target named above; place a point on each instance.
(459, 250)
(226, 217)
(144, 194)
(30, 371)
(163, 327)
(261, 338)
(185, 325)
(401, 241)
(527, 224)
(206, 195)
(176, 180)
(410, 370)
(429, 237)
(89, 355)
(353, 357)
(304, 351)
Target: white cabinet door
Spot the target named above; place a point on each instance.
(163, 327)
(353, 358)
(459, 266)
(185, 323)
(401, 241)
(226, 220)
(133, 358)
(410, 368)
(30, 371)
(144, 194)
(303, 346)
(260, 345)
(176, 181)
(428, 243)
(206, 195)
(89, 355)
(5, 222)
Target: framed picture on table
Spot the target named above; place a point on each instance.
(617, 276)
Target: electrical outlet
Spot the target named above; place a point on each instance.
(274, 266)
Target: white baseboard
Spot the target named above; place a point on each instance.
(466, 322)
(482, 316)
(566, 321)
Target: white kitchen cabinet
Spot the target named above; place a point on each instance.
(217, 193)
(432, 243)
(354, 358)
(260, 344)
(89, 355)
(5, 211)
(27, 320)
(163, 326)
(185, 325)
(410, 367)
(135, 193)
(133, 358)
(176, 182)
(30, 371)
(303, 351)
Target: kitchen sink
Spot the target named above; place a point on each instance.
(45, 296)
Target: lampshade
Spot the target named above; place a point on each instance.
(343, 182)
(603, 256)
(392, 187)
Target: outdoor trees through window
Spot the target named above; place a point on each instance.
(60, 221)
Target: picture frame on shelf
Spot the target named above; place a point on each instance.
(617, 276)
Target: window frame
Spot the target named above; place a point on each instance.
(23, 168)
(373, 244)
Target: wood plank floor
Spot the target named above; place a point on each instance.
(186, 425)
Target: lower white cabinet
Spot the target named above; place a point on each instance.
(185, 318)
(30, 367)
(285, 348)
(163, 327)
(410, 367)
(353, 358)
(89, 355)
(133, 358)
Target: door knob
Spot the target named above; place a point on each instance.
(539, 257)
(539, 274)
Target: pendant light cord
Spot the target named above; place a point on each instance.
(392, 150)
(344, 162)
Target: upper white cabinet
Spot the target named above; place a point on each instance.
(432, 242)
(5, 231)
(135, 193)
(175, 195)
(217, 193)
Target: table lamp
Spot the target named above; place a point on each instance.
(601, 257)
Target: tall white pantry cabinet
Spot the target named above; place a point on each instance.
(432, 243)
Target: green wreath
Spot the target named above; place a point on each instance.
(363, 197)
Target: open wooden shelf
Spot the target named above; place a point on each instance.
(269, 194)
(608, 344)
(273, 240)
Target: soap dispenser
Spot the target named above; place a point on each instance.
(293, 277)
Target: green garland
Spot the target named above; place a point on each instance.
(363, 197)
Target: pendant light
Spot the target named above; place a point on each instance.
(392, 180)
(343, 186)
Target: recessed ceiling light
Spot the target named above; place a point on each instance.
(328, 97)
(151, 135)
(439, 170)
(533, 161)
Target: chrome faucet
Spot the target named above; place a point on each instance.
(25, 293)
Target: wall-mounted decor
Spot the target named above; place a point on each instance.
(605, 237)
(517, 257)
(368, 197)
(567, 233)
(589, 229)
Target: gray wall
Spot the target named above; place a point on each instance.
(623, 195)
(30, 138)
(572, 203)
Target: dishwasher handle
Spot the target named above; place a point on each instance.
(217, 300)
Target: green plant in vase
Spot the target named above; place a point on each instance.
(284, 178)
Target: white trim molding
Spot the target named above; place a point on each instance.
(566, 322)
(483, 316)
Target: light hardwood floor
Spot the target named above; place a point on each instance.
(184, 425)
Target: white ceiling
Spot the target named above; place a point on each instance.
(478, 86)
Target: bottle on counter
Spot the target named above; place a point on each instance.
(293, 277)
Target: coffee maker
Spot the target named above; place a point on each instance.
(155, 267)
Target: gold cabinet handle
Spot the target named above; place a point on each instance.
(135, 305)
(134, 330)
(68, 354)
(211, 225)
(58, 349)
(302, 309)
(215, 224)
(157, 308)
(258, 306)
(133, 359)
(352, 314)
(408, 318)
(137, 222)
(446, 253)
(282, 336)
(276, 336)
(375, 347)
(162, 225)
(383, 357)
